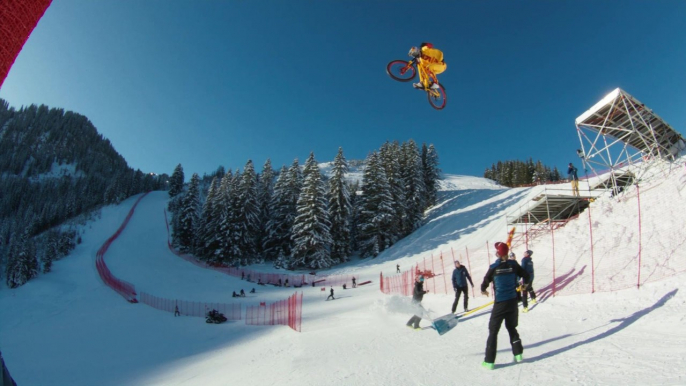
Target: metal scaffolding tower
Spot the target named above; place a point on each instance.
(622, 137)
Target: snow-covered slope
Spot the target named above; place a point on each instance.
(67, 327)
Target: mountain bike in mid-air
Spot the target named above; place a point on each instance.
(405, 71)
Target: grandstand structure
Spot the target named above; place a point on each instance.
(621, 140)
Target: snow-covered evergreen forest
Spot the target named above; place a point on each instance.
(298, 217)
(519, 173)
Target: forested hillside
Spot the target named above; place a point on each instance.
(54, 166)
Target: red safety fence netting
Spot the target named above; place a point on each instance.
(284, 312)
(18, 18)
(125, 289)
(186, 308)
(608, 253)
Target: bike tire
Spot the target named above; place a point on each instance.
(395, 70)
(438, 102)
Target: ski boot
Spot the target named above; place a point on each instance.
(533, 301)
(525, 310)
(518, 358)
(488, 366)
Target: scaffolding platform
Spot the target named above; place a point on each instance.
(551, 208)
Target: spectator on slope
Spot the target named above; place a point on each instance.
(331, 295)
(354, 283)
(242, 293)
(504, 276)
(235, 295)
(528, 266)
(176, 310)
(242, 275)
(571, 172)
(460, 277)
(417, 296)
(285, 283)
(397, 268)
(252, 291)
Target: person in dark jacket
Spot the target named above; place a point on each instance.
(503, 274)
(417, 296)
(528, 266)
(574, 178)
(331, 295)
(460, 277)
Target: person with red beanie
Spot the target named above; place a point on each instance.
(504, 275)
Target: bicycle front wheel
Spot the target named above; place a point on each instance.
(401, 71)
(437, 97)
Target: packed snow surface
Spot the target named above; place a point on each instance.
(68, 328)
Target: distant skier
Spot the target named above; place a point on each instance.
(252, 291)
(397, 268)
(331, 295)
(504, 276)
(242, 293)
(354, 283)
(460, 277)
(176, 311)
(574, 178)
(417, 296)
(528, 266)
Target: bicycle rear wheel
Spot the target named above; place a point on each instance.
(437, 97)
(400, 71)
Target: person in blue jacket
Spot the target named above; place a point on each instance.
(528, 266)
(503, 274)
(460, 277)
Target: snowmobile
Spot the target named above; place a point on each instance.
(216, 317)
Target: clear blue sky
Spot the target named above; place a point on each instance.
(209, 83)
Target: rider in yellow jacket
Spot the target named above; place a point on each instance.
(430, 58)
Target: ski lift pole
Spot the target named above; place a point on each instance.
(638, 197)
(469, 265)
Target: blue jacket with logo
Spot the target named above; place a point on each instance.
(460, 277)
(528, 266)
(504, 275)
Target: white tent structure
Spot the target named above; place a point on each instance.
(621, 135)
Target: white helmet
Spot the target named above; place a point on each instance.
(414, 52)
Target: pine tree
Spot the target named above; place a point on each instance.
(264, 197)
(431, 174)
(50, 251)
(22, 263)
(246, 227)
(176, 181)
(207, 235)
(276, 242)
(222, 224)
(376, 214)
(340, 210)
(188, 216)
(390, 159)
(411, 171)
(310, 235)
